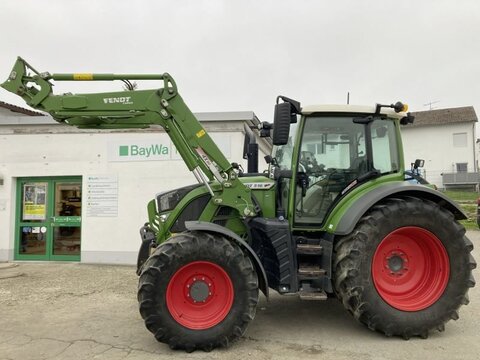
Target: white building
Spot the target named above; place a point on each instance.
(445, 139)
(81, 195)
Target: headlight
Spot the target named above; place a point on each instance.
(167, 201)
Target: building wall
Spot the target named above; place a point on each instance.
(435, 145)
(64, 151)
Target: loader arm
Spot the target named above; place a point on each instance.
(136, 109)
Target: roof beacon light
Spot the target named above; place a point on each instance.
(397, 107)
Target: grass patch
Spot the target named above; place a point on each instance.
(470, 224)
(468, 202)
(462, 195)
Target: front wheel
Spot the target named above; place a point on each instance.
(198, 290)
(405, 269)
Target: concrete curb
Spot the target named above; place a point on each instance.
(4, 266)
(11, 275)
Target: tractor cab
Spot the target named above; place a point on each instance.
(330, 151)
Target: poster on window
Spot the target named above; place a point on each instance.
(34, 201)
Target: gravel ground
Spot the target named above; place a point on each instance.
(77, 311)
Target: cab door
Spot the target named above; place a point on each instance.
(336, 155)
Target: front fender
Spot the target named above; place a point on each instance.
(214, 228)
(355, 211)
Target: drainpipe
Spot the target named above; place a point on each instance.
(475, 167)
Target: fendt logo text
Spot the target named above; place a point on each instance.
(126, 100)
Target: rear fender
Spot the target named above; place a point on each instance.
(217, 229)
(356, 210)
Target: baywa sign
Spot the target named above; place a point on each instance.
(142, 150)
(154, 149)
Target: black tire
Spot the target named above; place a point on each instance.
(186, 250)
(353, 263)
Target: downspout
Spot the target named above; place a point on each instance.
(475, 165)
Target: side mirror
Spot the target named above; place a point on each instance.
(418, 163)
(281, 123)
(285, 114)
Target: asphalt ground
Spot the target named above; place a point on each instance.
(78, 311)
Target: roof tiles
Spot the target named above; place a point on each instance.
(445, 116)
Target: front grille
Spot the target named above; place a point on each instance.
(190, 213)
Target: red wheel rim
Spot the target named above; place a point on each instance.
(410, 268)
(199, 295)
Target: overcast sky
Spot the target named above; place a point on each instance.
(239, 55)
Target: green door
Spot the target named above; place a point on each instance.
(48, 218)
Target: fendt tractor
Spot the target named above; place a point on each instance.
(333, 216)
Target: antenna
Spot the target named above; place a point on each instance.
(429, 104)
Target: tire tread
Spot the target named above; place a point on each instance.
(175, 250)
(350, 251)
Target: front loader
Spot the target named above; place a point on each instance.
(332, 216)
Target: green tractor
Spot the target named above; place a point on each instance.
(332, 216)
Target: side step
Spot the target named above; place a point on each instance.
(313, 295)
(306, 272)
(309, 249)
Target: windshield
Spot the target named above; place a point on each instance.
(331, 143)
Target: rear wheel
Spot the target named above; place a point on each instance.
(405, 269)
(198, 290)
